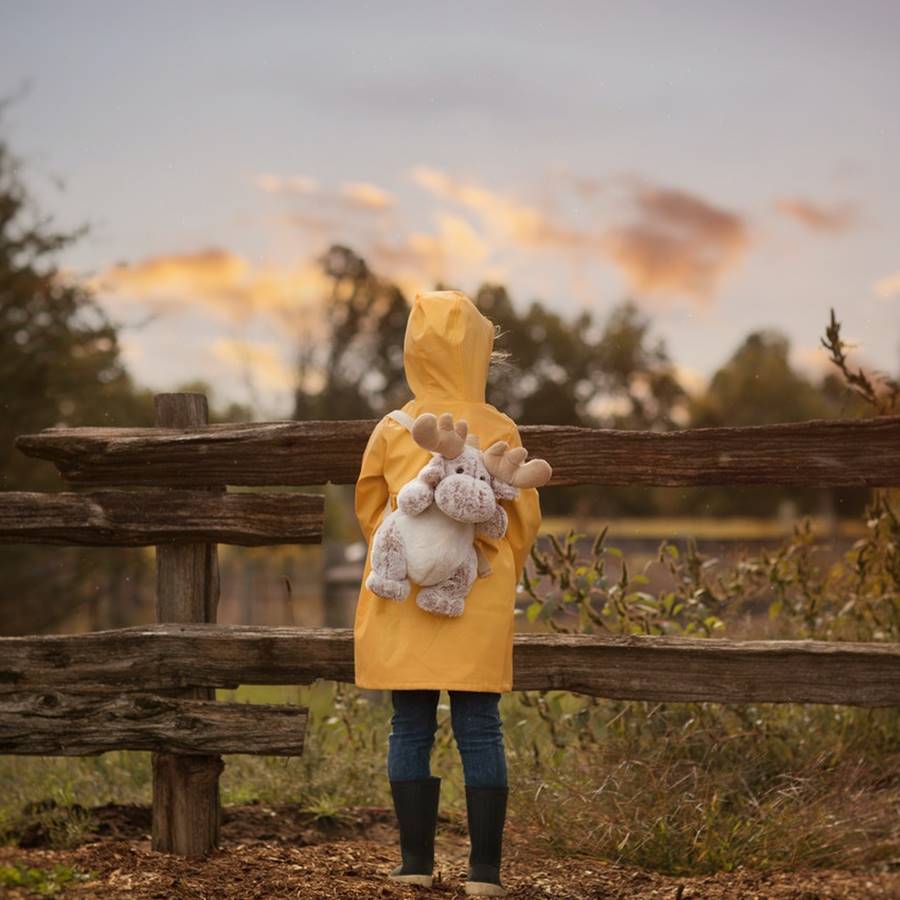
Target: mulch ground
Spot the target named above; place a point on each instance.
(275, 852)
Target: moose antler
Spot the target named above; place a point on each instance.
(440, 435)
(508, 466)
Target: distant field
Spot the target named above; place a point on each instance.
(724, 529)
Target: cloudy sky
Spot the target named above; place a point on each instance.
(728, 165)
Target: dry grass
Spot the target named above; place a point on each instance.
(678, 789)
(782, 788)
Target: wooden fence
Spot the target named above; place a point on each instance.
(152, 688)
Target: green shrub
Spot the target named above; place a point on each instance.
(704, 787)
(42, 882)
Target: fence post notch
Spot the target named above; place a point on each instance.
(186, 807)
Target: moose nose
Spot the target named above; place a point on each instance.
(465, 498)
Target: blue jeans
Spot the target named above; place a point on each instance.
(475, 717)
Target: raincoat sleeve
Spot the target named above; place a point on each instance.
(524, 515)
(371, 493)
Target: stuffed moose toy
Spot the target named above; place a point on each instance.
(430, 538)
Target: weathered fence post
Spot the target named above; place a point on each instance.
(186, 810)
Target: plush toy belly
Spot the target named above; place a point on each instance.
(435, 545)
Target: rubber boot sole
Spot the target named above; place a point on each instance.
(421, 880)
(484, 889)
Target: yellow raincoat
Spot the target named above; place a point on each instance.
(397, 645)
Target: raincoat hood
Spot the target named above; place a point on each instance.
(447, 347)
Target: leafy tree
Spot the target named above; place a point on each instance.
(640, 373)
(547, 374)
(59, 365)
(59, 355)
(758, 386)
(581, 372)
(359, 362)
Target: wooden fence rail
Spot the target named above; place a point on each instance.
(79, 723)
(153, 516)
(818, 453)
(626, 668)
(153, 688)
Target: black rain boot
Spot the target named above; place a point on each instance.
(486, 810)
(416, 806)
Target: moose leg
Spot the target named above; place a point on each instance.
(448, 597)
(387, 577)
(483, 566)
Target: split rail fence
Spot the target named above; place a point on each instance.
(153, 688)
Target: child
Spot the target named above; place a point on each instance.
(416, 654)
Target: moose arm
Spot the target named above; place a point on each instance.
(432, 473)
(415, 497)
(495, 527)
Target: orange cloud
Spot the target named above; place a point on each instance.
(221, 281)
(507, 217)
(460, 241)
(201, 272)
(457, 251)
(315, 224)
(815, 216)
(679, 244)
(814, 362)
(367, 196)
(358, 195)
(264, 360)
(888, 287)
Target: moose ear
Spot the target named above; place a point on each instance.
(509, 466)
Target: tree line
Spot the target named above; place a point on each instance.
(606, 370)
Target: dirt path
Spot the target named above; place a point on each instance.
(272, 852)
